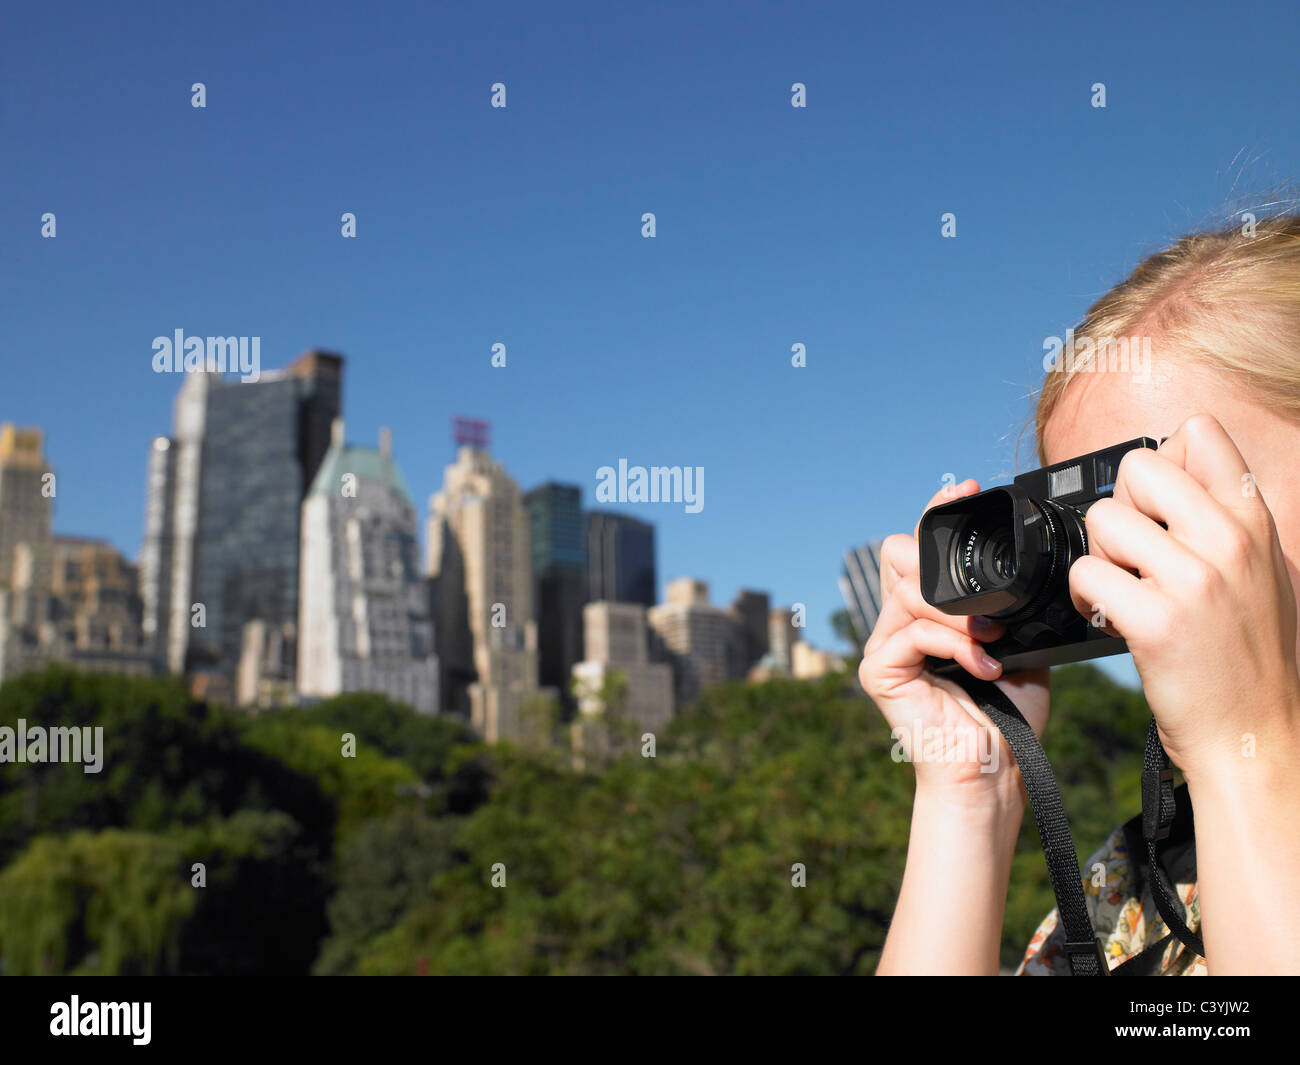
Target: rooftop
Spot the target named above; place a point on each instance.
(365, 463)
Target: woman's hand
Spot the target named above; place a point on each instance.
(1208, 611)
(1206, 604)
(921, 708)
(965, 819)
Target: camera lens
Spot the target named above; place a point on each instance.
(1002, 555)
(985, 558)
(984, 555)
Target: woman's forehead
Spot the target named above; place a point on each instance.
(1098, 409)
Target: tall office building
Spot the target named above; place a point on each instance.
(782, 635)
(556, 526)
(620, 559)
(156, 552)
(751, 610)
(559, 557)
(480, 559)
(26, 495)
(617, 643)
(860, 587)
(26, 547)
(222, 517)
(364, 614)
(704, 643)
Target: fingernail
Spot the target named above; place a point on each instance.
(990, 662)
(983, 623)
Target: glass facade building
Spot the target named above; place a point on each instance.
(246, 549)
(559, 558)
(620, 559)
(556, 521)
(223, 515)
(860, 587)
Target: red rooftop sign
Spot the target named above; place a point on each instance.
(472, 431)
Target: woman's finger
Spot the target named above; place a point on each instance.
(898, 559)
(1203, 448)
(905, 651)
(1167, 493)
(975, 626)
(905, 604)
(1120, 534)
(1124, 603)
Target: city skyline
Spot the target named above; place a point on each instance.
(280, 567)
(227, 385)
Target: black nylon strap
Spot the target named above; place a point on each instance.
(1180, 834)
(1083, 948)
(1159, 813)
(1146, 962)
(1159, 808)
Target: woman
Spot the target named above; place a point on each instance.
(1207, 607)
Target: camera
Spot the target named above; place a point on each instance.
(1006, 552)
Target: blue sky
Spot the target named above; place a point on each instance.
(775, 226)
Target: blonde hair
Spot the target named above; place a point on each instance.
(1227, 299)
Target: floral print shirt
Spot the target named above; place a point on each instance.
(1125, 920)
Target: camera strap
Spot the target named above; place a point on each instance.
(1159, 812)
(1084, 950)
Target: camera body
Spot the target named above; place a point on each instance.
(1006, 552)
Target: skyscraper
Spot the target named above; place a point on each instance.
(620, 559)
(704, 643)
(156, 558)
(559, 559)
(782, 635)
(26, 494)
(617, 647)
(556, 524)
(225, 496)
(480, 559)
(860, 587)
(364, 614)
(751, 612)
(26, 547)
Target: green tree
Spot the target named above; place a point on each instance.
(768, 836)
(383, 870)
(425, 742)
(167, 760)
(364, 784)
(121, 902)
(688, 863)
